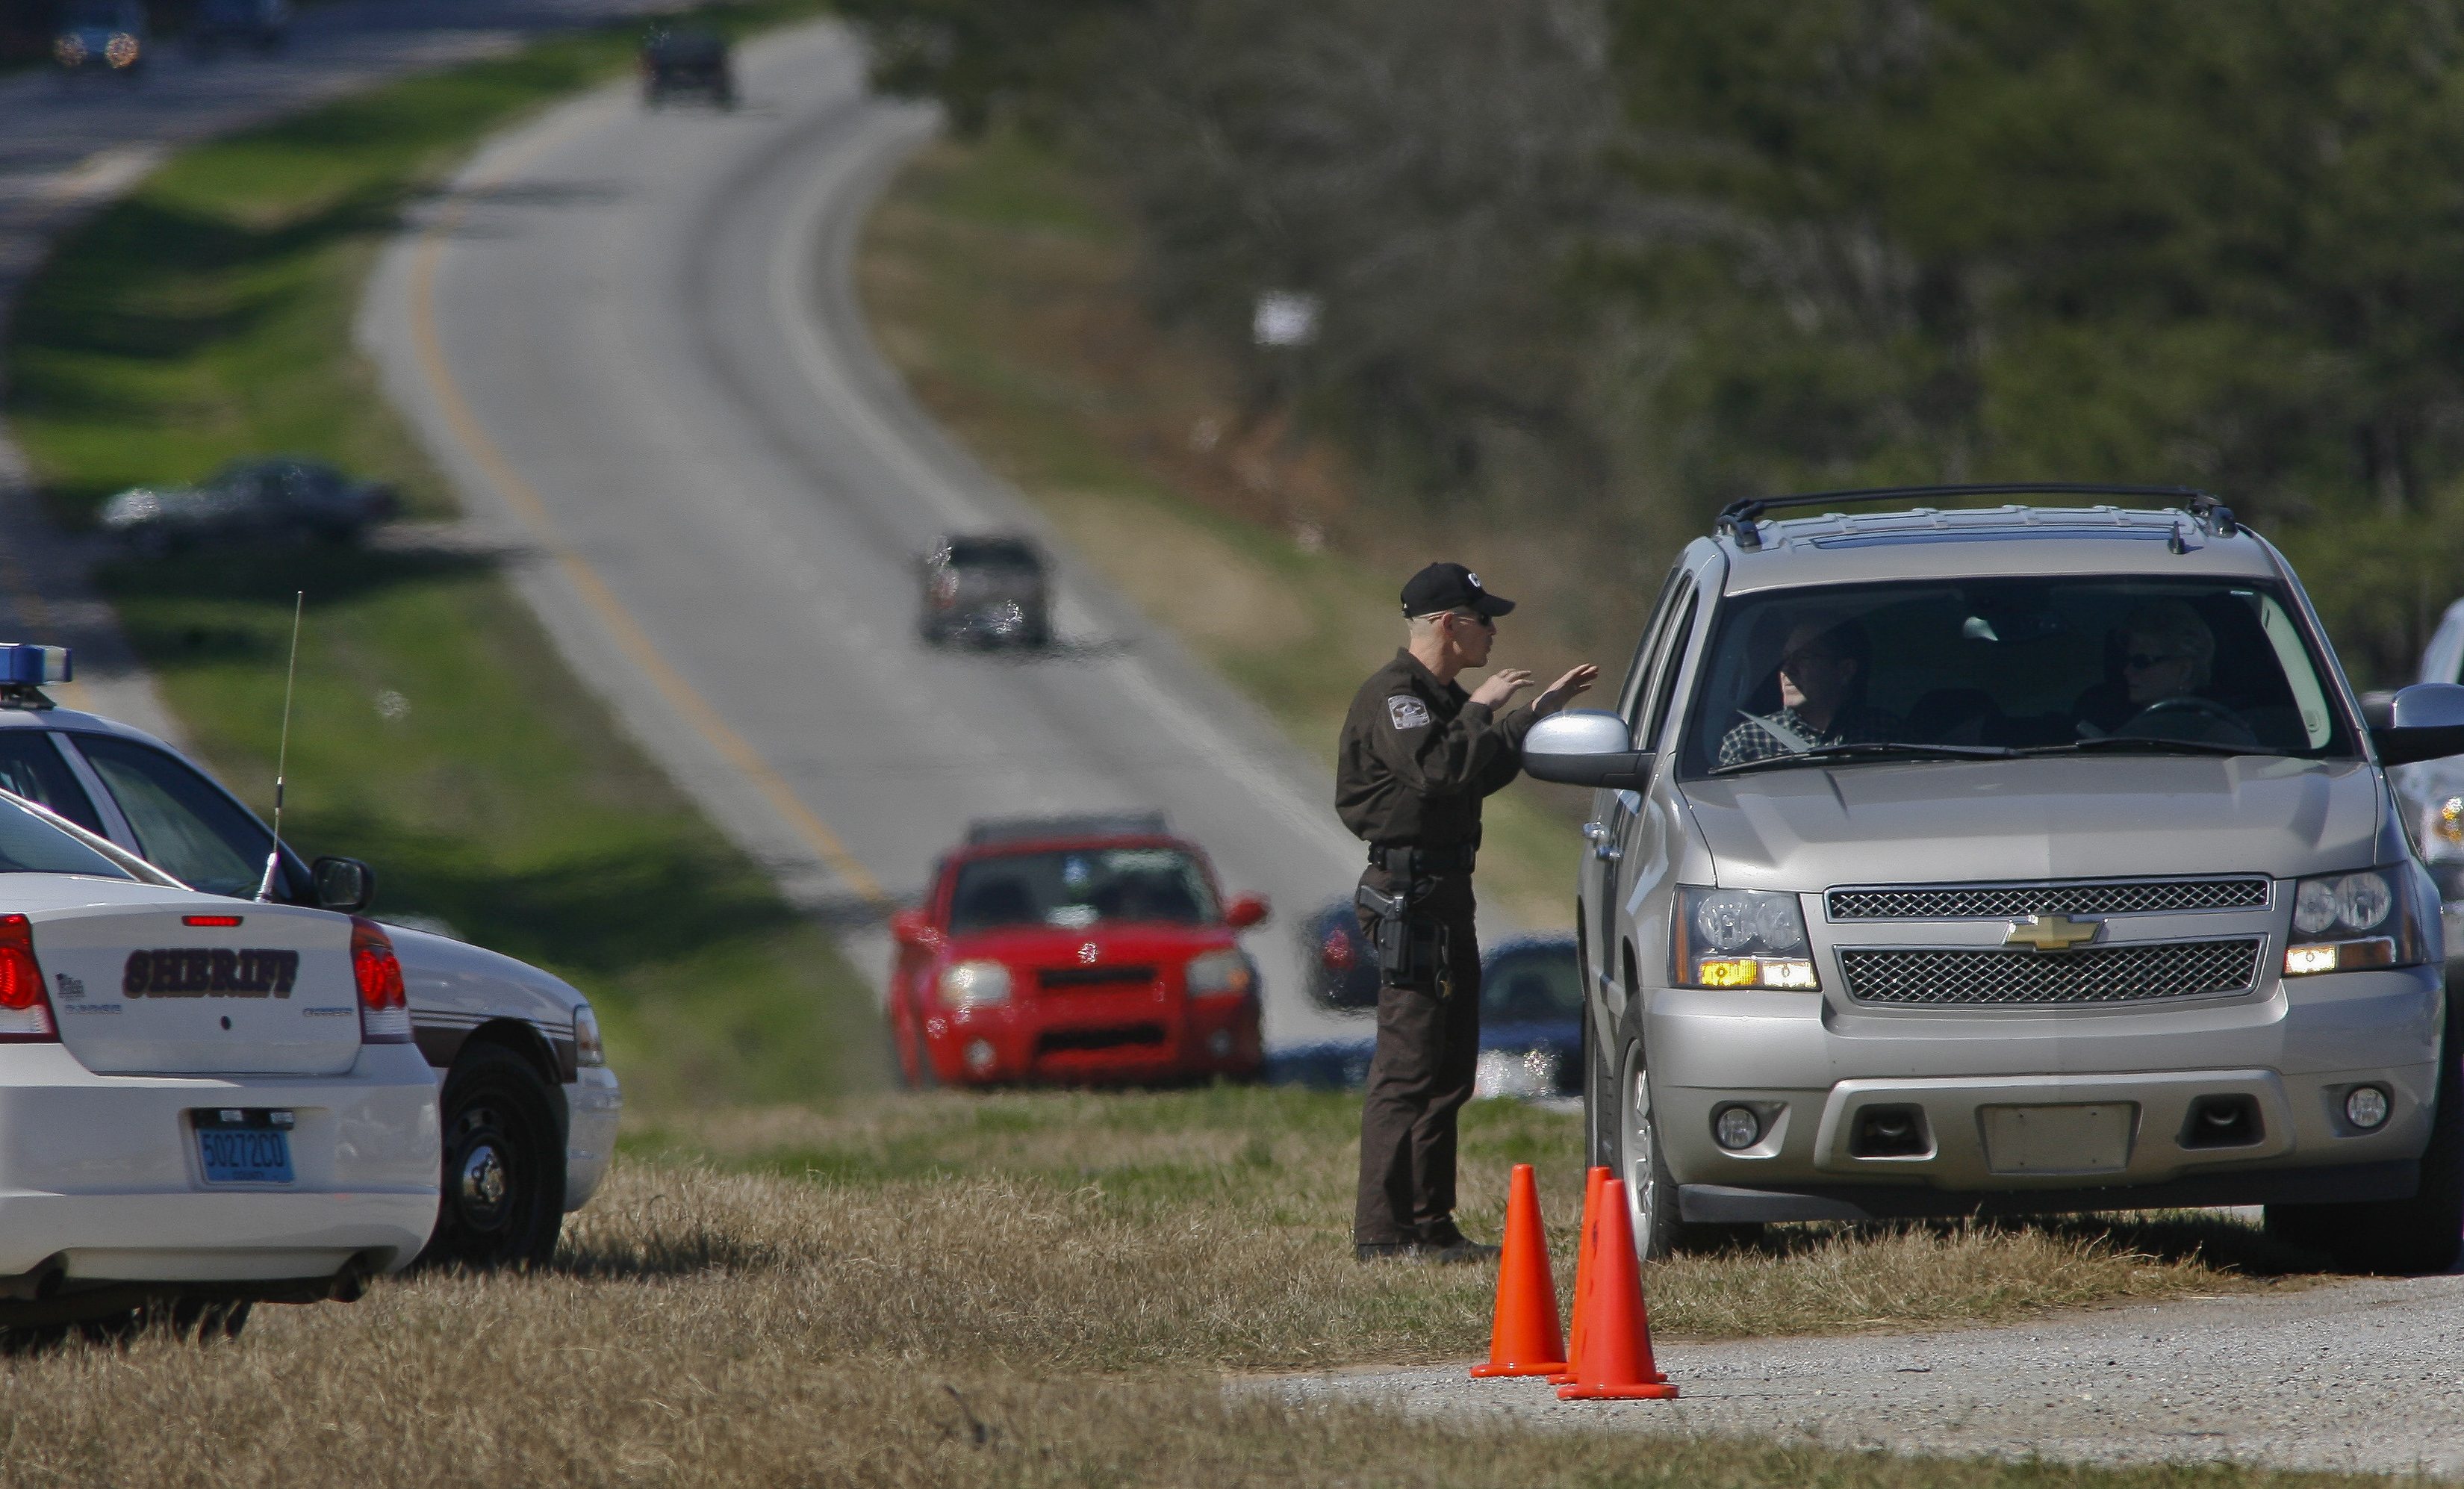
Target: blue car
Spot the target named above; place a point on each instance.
(1531, 1012)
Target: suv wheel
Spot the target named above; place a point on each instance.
(2400, 1237)
(1651, 1195)
(504, 1203)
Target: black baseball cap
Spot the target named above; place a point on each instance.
(1450, 587)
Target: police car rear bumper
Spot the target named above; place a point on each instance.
(100, 1178)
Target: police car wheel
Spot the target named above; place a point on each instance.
(503, 1180)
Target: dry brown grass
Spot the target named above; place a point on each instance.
(948, 1324)
(1190, 1189)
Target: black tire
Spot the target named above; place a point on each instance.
(503, 1168)
(924, 1078)
(2400, 1238)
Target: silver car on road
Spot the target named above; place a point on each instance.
(2030, 858)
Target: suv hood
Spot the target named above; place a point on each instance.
(1807, 828)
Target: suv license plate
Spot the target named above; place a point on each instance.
(2081, 1139)
(244, 1147)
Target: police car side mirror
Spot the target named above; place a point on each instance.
(343, 884)
(2424, 722)
(1586, 747)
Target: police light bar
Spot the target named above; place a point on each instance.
(26, 666)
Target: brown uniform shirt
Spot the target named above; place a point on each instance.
(1418, 755)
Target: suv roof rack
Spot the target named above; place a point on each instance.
(1078, 824)
(1738, 517)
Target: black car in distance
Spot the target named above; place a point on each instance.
(990, 589)
(686, 59)
(270, 500)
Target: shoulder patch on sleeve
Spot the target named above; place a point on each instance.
(1407, 711)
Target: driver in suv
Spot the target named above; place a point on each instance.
(2008, 859)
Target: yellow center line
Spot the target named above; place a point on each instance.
(532, 511)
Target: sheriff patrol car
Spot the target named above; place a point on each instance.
(528, 1106)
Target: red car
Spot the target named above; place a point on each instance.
(1074, 950)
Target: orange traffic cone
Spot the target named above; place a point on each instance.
(1524, 1340)
(1617, 1364)
(1584, 1271)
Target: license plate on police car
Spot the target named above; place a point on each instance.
(245, 1146)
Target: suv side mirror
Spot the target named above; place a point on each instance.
(910, 928)
(1249, 909)
(1588, 746)
(343, 884)
(2424, 722)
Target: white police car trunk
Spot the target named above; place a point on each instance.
(143, 1141)
(196, 1095)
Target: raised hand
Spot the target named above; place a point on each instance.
(1566, 689)
(1502, 686)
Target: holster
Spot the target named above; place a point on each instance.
(1411, 941)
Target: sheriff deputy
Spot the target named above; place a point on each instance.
(1418, 755)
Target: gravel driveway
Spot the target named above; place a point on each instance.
(2363, 1376)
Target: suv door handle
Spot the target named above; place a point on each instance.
(1597, 832)
(1602, 847)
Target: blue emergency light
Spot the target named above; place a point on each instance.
(26, 666)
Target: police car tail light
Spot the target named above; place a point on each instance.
(385, 1008)
(2352, 922)
(1741, 939)
(973, 984)
(1215, 974)
(25, 1009)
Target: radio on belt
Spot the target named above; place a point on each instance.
(24, 670)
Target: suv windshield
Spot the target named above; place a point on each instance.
(1994, 666)
(1079, 886)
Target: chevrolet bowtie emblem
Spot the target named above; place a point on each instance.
(2051, 932)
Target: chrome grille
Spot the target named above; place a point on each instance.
(2000, 901)
(2098, 975)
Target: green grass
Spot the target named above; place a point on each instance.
(436, 733)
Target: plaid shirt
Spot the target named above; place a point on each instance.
(1757, 738)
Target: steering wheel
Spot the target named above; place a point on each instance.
(2184, 710)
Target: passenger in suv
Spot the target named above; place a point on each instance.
(2013, 860)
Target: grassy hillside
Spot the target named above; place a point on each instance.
(437, 734)
(1002, 284)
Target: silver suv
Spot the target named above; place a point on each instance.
(2010, 859)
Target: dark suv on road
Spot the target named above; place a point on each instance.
(992, 590)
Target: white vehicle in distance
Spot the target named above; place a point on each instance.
(202, 1105)
(529, 1106)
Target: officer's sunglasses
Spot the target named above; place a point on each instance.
(1485, 623)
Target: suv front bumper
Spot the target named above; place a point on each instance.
(1808, 1067)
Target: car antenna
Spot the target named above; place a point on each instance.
(282, 752)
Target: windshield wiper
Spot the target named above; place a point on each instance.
(1872, 748)
(2123, 743)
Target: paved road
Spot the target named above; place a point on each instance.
(631, 338)
(2363, 1376)
(67, 145)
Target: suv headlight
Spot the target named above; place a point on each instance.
(1741, 939)
(973, 984)
(2349, 922)
(1212, 974)
(588, 1050)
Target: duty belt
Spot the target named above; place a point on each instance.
(1455, 860)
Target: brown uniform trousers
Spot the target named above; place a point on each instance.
(1428, 1046)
